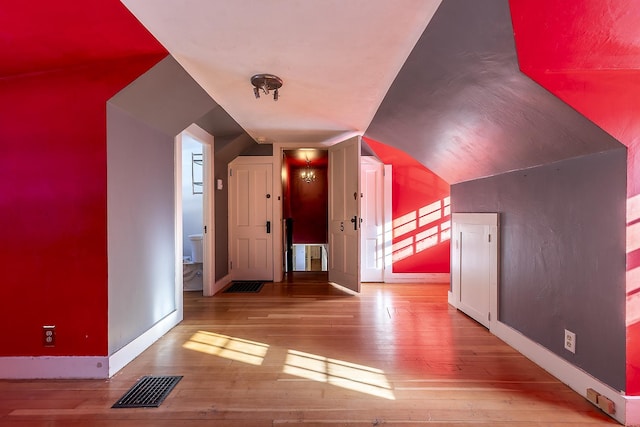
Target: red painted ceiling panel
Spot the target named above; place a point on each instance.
(586, 53)
(587, 34)
(41, 35)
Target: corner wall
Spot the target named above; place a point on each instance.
(53, 208)
(420, 214)
(562, 255)
(141, 240)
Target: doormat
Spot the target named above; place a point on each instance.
(148, 392)
(244, 287)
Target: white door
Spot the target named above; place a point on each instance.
(474, 265)
(250, 219)
(372, 224)
(344, 214)
(474, 272)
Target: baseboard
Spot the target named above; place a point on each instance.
(451, 299)
(126, 354)
(569, 374)
(220, 284)
(416, 277)
(54, 367)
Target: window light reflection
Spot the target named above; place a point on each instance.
(238, 349)
(351, 376)
(432, 227)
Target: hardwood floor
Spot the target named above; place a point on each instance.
(305, 353)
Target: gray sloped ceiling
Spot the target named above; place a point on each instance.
(462, 108)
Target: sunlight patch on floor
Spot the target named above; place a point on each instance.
(238, 349)
(360, 378)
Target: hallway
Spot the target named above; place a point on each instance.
(303, 352)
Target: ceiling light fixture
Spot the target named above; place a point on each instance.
(265, 83)
(308, 175)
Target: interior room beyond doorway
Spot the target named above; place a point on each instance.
(305, 209)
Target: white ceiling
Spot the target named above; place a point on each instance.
(337, 58)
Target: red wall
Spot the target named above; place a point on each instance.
(421, 214)
(61, 62)
(308, 206)
(53, 206)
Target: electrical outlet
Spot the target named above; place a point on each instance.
(49, 336)
(570, 341)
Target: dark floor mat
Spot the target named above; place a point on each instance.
(242, 287)
(148, 392)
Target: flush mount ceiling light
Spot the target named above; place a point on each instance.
(265, 83)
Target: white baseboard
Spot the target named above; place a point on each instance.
(220, 284)
(569, 374)
(126, 354)
(54, 367)
(390, 277)
(451, 299)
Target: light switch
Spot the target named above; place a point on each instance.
(219, 184)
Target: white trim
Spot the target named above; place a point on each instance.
(631, 411)
(208, 205)
(126, 354)
(416, 277)
(220, 284)
(49, 367)
(491, 223)
(369, 164)
(569, 374)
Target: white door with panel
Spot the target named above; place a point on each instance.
(250, 218)
(344, 214)
(474, 265)
(372, 224)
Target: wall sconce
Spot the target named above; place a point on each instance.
(265, 83)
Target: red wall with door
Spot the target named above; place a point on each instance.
(421, 216)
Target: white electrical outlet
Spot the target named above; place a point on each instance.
(570, 341)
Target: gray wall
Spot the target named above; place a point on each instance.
(140, 227)
(562, 255)
(225, 150)
(461, 106)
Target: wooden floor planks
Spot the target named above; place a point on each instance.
(303, 352)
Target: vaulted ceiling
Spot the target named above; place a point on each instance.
(447, 82)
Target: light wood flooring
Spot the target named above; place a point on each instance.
(305, 353)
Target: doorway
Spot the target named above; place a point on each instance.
(305, 209)
(194, 208)
(192, 213)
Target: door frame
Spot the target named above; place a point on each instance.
(208, 208)
(491, 223)
(373, 161)
(278, 219)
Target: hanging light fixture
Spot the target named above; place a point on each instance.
(265, 83)
(308, 175)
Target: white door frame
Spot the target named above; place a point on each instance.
(208, 208)
(491, 223)
(277, 226)
(368, 162)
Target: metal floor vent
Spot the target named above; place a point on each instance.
(244, 287)
(148, 392)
